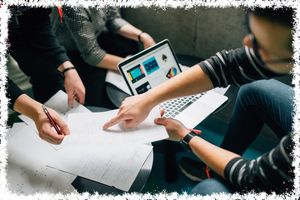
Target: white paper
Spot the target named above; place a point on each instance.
(112, 165)
(59, 103)
(91, 124)
(25, 172)
(30, 178)
(117, 80)
(100, 160)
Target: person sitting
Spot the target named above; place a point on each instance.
(267, 52)
(97, 39)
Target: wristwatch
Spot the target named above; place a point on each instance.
(186, 140)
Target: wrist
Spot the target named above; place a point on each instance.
(65, 68)
(139, 36)
(69, 71)
(37, 110)
(183, 134)
(187, 137)
(28, 106)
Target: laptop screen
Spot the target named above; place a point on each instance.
(150, 67)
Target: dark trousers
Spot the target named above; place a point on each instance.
(259, 102)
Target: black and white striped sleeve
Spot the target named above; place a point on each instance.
(237, 67)
(270, 172)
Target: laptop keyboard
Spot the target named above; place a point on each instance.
(174, 106)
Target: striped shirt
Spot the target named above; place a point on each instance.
(273, 170)
(270, 172)
(235, 67)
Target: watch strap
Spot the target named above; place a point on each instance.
(186, 140)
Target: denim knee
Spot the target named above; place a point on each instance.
(265, 91)
(211, 186)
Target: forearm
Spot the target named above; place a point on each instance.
(190, 82)
(27, 106)
(110, 62)
(129, 32)
(215, 157)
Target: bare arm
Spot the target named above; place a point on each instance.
(136, 108)
(192, 81)
(131, 32)
(110, 61)
(215, 157)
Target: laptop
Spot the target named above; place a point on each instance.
(157, 64)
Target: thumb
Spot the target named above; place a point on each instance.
(161, 121)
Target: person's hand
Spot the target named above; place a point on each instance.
(147, 40)
(132, 112)
(74, 87)
(45, 129)
(176, 130)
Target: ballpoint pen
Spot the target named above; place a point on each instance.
(52, 122)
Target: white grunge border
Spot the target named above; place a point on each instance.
(4, 17)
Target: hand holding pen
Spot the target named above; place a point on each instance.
(50, 126)
(52, 122)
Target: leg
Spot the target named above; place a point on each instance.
(213, 185)
(265, 101)
(117, 45)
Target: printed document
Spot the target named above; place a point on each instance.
(59, 103)
(112, 165)
(91, 124)
(25, 172)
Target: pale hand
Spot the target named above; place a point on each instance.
(74, 87)
(45, 129)
(176, 130)
(147, 40)
(132, 112)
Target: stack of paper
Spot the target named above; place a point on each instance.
(112, 157)
(25, 172)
